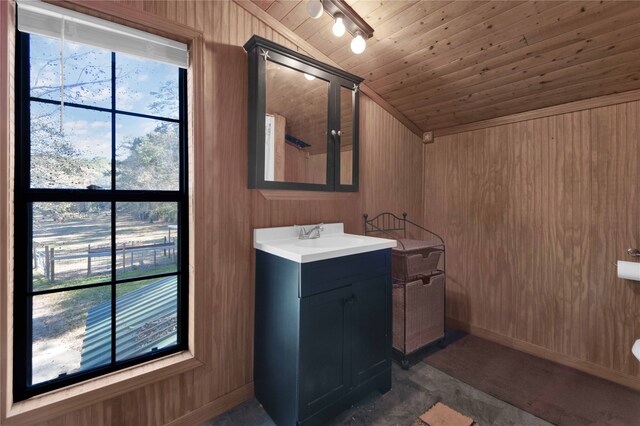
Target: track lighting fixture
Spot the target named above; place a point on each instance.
(314, 8)
(338, 27)
(345, 20)
(358, 44)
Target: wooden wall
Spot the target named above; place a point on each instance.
(535, 214)
(226, 212)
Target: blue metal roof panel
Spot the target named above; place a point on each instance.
(146, 318)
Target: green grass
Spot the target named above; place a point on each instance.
(71, 307)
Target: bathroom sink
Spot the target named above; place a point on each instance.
(333, 242)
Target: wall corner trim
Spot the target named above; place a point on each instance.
(428, 138)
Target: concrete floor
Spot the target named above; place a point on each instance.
(413, 392)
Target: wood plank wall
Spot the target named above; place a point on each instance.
(535, 213)
(226, 212)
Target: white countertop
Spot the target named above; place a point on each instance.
(333, 242)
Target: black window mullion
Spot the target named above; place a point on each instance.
(106, 195)
(102, 283)
(113, 208)
(22, 241)
(113, 282)
(70, 288)
(103, 109)
(113, 125)
(182, 284)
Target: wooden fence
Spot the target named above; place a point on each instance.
(122, 251)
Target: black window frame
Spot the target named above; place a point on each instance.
(25, 196)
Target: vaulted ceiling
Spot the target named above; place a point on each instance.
(445, 63)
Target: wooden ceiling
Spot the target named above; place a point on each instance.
(446, 63)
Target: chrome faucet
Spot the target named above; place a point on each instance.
(309, 235)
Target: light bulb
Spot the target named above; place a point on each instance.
(358, 44)
(309, 76)
(314, 8)
(338, 27)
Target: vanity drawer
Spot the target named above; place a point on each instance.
(325, 275)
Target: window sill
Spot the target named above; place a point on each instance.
(58, 402)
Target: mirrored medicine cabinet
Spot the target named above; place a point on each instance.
(303, 121)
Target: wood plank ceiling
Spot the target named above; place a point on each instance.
(446, 63)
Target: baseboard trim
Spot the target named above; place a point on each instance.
(216, 407)
(539, 351)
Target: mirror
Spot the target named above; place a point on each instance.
(296, 123)
(346, 136)
(303, 121)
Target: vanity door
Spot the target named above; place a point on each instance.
(371, 320)
(325, 349)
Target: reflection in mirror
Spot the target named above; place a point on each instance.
(346, 136)
(295, 126)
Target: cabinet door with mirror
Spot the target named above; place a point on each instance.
(303, 121)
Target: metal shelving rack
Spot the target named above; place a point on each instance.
(391, 225)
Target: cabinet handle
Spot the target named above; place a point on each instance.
(350, 300)
(334, 133)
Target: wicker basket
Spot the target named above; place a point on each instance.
(424, 312)
(414, 258)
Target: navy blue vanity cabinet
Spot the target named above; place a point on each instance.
(322, 334)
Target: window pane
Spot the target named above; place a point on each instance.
(76, 154)
(147, 154)
(146, 239)
(146, 87)
(87, 72)
(87, 75)
(44, 58)
(71, 332)
(146, 316)
(71, 244)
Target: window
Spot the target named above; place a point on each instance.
(101, 208)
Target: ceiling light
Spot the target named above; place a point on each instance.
(309, 76)
(346, 20)
(358, 44)
(338, 27)
(314, 8)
